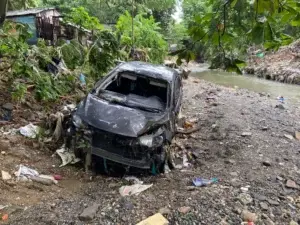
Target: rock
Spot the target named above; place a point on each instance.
(288, 136)
(248, 216)
(245, 198)
(184, 209)
(246, 134)
(266, 163)
(156, 219)
(8, 106)
(273, 202)
(264, 206)
(234, 174)
(5, 175)
(291, 184)
(297, 135)
(259, 197)
(89, 213)
(268, 221)
(264, 128)
(293, 223)
(279, 178)
(229, 161)
(280, 106)
(164, 211)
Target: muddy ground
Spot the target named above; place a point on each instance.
(252, 169)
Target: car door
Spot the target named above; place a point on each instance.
(177, 95)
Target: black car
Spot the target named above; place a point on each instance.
(129, 117)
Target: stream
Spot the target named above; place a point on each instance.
(288, 91)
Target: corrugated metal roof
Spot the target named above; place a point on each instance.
(27, 12)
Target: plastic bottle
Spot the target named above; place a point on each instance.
(199, 182)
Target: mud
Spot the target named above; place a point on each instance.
(252, 170)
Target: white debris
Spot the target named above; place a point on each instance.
(134, 179)
(25, 172)
(5, 175)
(134, 189)
(30, 131)
(66, 156)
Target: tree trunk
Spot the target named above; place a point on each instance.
(3, 5)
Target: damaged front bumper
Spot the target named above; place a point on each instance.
(139, 152)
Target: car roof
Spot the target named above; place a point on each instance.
(150, 70)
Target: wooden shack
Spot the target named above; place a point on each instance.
(42, 22)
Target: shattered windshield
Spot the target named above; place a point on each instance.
(137, 92)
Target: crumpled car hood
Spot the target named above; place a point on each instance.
(115, 118)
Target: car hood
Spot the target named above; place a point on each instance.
(116, 118)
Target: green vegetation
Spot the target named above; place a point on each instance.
(146, 36)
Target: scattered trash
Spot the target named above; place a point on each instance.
(5, 175)
(134, 189)
(134, 179)
(5, 217)
(44, 179)
(288, 136)
(66, 156)
(25, 172)
(68, 108)
(82, 79)
(281, 99)
(156, 219)
(199, 182)
(185, 162)
(188, 125)
(30, 131)
(3, 207)
(57, 177)
(245, 189)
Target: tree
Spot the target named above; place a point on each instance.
(22, 4)
(82, 18)
(230, 27)
(146, 36)
(3, 5)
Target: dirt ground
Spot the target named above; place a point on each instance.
(252, 169)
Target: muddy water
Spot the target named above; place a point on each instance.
(290, 92)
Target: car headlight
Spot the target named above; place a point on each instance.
(77, 121)
(151, 141)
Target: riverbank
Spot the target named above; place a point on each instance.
(244, 140)
(282, 66)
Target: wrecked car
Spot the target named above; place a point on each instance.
(129, 117)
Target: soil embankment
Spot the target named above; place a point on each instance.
(282, 66)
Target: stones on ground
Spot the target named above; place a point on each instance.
(264, 206)
(297, 135)
(288, 136)
(89, 213)
(234, 174)
(293, 223)
(184, 209)
(268, 221)
(5, 175)
(280, 106)
(273, 202)
(264, 128)
(4, 145)
(246, 134)
(266, 163)
(248, 216)
(245, 198)
(8, 106)
(164, 211)
(229, 161)
(291, 184)
(279, 178)
(259, 197)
